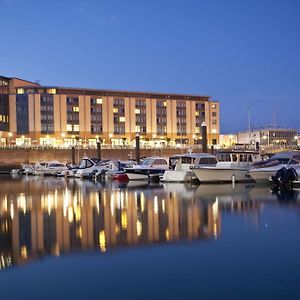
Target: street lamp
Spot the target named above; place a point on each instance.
(110, 138)
(9, 137)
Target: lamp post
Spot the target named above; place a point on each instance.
(137, 148)
(296, 140)
(110, 139)
(204, 136)
(73, 150)
(9, 138)
(99, 141)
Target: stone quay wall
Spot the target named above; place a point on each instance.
(15, 157)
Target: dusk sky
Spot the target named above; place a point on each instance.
(246, 54)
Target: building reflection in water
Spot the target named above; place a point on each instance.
(54, 216)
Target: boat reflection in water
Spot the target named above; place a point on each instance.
(53, 216)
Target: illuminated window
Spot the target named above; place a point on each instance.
(20, 91)
(138, 128)
(137, 111)
(165, 103)
(214, 106)
(76, 127)
(76, 109)
(69, 127)
(51, 91)
(122, 119)
(214, 131)
(99, 100)
(197, 113)
(115, 110)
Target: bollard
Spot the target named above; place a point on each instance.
(233, 181)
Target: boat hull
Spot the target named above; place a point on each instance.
(215, 175)
(262, 175)
(177, 176)
(142, 174)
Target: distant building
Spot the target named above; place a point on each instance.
(269, 138)
(50, 115)
(228, 140)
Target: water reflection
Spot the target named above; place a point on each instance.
(53, 216)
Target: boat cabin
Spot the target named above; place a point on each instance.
(187, 161)
(155, 162)
(242, 157)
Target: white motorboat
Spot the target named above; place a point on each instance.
(49, 168)
(262, 171)
(117, 169)
(151, 166)
(231, 166)
(182, 165)
(90, 167)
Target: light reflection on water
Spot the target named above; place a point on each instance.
(52, 216)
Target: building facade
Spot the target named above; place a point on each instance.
(48, 115)
(276, 138)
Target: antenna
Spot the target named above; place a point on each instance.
(249, 124)
(274, 116)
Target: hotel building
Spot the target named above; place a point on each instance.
(32, 114)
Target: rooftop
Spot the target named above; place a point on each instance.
(113, 93)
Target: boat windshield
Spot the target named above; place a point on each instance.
(85, 163)
(56, 165)
(147, 162)
(187, 160)
(207, 161)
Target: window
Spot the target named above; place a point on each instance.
(20, 91)
(137, 111)
(214, 131)
(99, 101)
(214, 113)
(76, 128)
(51, 91)
(75, 109)
(122, 119)
(69, 127)
(115, 110)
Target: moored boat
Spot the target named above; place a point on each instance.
(182, 165)
(151, 166)
(262, 171)
(232, 166)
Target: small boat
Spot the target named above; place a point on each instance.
(182, 166)
(232, 166)
(51, 168)
(149, 168)
(116, 170)
(90, 167)
(262, 171)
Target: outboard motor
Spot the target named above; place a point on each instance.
(284, 178)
